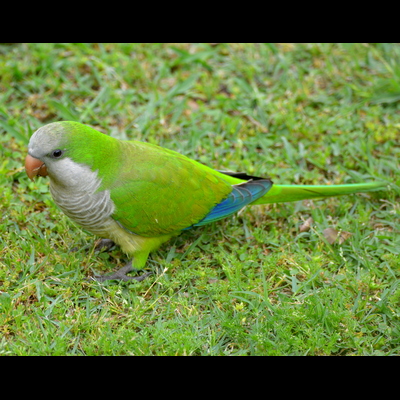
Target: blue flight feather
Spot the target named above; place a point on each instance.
(241, 195)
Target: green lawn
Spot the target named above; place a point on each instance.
(254, 284)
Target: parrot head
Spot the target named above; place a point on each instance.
(45, 148)
(62, 151)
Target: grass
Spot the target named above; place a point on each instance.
(253, 284)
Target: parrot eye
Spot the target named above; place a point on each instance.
(57, 153)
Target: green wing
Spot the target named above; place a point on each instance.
(158, 191)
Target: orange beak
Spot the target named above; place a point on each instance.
(34, 167)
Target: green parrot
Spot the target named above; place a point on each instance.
(140, 195)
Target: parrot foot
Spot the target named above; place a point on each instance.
(104, 244)
(101, 245)
(121, 275)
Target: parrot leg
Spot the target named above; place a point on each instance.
(101, 245)
(121, 274)
(104, 244)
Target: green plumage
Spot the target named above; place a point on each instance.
(158, 192)
(155, 193)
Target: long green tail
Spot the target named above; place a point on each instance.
(286, 193)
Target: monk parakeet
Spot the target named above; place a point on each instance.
(140, 195)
